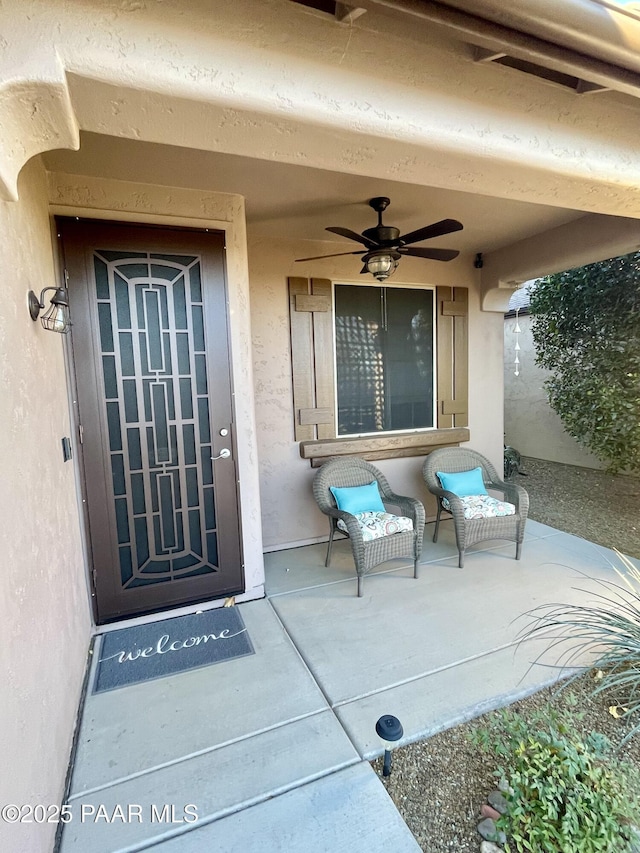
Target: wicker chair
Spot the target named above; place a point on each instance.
(471, 530)
(348, 471)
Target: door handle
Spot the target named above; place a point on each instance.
(225, 453)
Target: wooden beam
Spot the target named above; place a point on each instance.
(305, 302)
(584, 87)
(453, 407)
(390, 445)
(483, 54)
(461, 357)
(323, 356)
(318, 461)
(457, 308)
(444, 351)
(348, 14)
(301, 358)
(315, 416)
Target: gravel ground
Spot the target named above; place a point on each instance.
(601, 507)
(439, 784)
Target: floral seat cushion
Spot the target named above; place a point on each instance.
(374, 525)
(483, 506)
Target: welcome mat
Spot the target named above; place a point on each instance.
(158, 649)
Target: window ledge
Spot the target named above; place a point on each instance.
(382, 446)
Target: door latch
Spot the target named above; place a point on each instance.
(225, 453)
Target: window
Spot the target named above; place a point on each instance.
(400, 387)
(384, 349)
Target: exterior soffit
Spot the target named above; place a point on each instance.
(600, 29)
(36, 115)
(347, 117)
(589, 40)
(474, 149)
(584, 241)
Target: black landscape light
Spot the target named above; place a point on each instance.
(389, 730)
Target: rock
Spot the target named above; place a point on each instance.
(490, 847)
(489, 811)
(498, 801)
(488, 830)
(504, 786)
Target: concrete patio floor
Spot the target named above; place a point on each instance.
(272, 749)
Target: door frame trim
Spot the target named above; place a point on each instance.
(123, 216)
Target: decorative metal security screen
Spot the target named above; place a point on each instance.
(152, 364)
(384, 358)
(155, 386)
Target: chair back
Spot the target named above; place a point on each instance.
(454, 460)
(343, 472)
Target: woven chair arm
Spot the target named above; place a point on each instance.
(441, 493)
(455, 504)
(353, 525)
(409, 507)
(513, 493)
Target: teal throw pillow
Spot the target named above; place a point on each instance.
(464, 483)
(356, 499)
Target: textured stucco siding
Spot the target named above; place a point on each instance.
(44, 605)
(269, 79)
(531, 425)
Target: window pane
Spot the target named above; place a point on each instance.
(409, 358)
(359, 367)
(384, 358)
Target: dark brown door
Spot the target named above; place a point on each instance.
(152, 364)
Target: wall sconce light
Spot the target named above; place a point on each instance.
(389, 730)
(381, 264)
(56, 318)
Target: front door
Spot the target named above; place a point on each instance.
(152, 368)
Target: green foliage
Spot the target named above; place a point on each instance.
(586, 329)
(564, 792)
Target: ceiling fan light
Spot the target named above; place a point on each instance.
(381, 265)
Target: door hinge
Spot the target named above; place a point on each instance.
(81, 433)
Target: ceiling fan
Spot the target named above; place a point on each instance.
(384, 245)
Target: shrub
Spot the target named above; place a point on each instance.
(607, 633)
(564, 792)
(586, 328)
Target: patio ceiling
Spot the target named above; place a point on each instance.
(298, 202)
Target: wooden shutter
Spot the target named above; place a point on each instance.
(311, 318)
(452, 335)
(312, 356)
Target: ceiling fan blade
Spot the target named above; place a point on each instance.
(351, 235)
(336, 255)
(445, 226)
(431, 254)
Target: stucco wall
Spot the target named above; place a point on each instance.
(281, 502)
(290, 515)
(531, 425)
(270, 79)
(44, 624)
